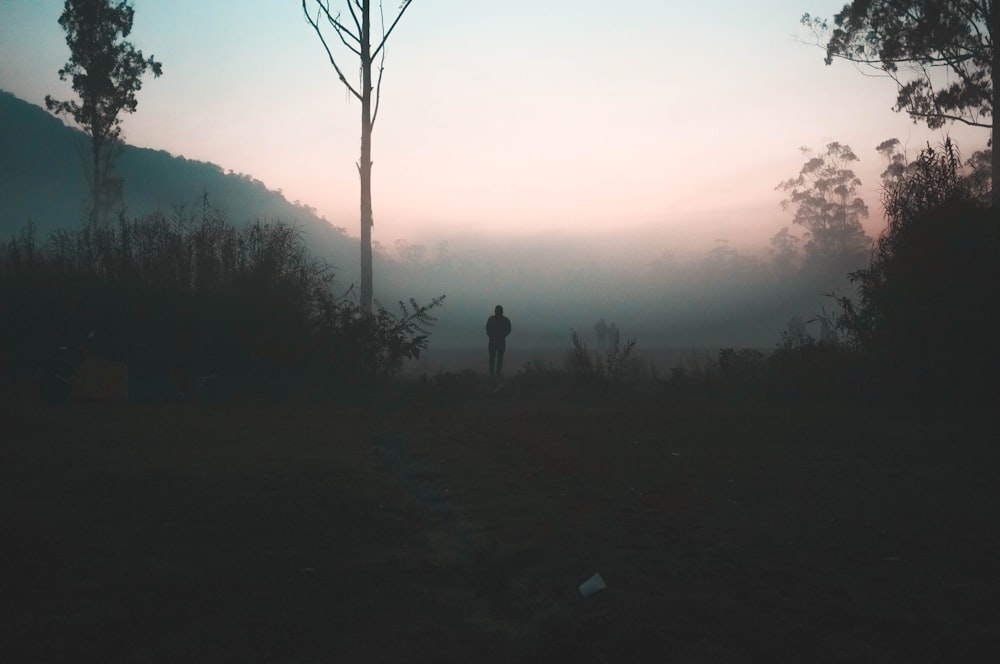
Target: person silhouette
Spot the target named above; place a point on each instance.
(497, 329)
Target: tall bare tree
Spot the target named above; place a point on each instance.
(356, 37)
(106, 72)
(940, 53)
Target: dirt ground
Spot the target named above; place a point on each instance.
(455, 525)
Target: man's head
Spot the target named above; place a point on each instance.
(498, 310)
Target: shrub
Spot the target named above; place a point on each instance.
(615, 365)
(806, 368)
(196, 292)
(924, 305)
(743, 371)
(536, 375)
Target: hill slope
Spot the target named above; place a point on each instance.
(42, 180)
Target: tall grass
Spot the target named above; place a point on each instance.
(197, 292)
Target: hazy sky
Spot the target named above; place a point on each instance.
(673, 120)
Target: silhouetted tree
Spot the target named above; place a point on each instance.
(925, 303)
(824, 201)
(784, 251)
(975, 174)
(601, 329)
(357, 39)
(106, 72)
(940, 53)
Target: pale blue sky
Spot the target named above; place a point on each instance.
(673, 120)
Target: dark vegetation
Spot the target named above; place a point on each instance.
(106, 73)
(423, 530)
(925, 306)
(41, 182)
(200, 296)
(831, 500)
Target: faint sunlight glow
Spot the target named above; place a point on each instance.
(670, 121)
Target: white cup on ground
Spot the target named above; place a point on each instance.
(592, 585)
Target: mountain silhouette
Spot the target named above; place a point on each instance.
(43, 180)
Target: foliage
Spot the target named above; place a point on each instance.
(106, 72)
(939, 53)
(803, 367)
(784, 252)
(249, 303)
(743, 371)
(823, 199)
(615, 364)
(538, 374)
(924, 304)
(374, 344)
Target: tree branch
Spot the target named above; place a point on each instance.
(948, 116)
(335, 20)
(381, 69)
(326, 47)
(354, 15)
(406, 4)
(340, 33)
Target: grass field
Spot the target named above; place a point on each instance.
(453, 525)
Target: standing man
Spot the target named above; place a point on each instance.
(497, 329)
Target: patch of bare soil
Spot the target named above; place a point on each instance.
(438, 527)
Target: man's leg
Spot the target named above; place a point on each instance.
(500, 352)
(493, 358)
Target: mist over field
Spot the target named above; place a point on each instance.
(670, 290)
(636, 333)
(549, 285)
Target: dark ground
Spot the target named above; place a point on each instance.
(437, 525)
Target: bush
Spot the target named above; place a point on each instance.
(537, 375)
(804, 368)
(616, 365)
(924, 305)
(195, 292)
(743, 371)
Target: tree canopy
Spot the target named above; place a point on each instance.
(925, 302)
(940, 53)
(106, 72)
(823, 199)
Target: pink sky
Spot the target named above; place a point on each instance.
(674, 121)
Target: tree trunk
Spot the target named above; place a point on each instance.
(365, 164)
(994, 34)
(96, 211)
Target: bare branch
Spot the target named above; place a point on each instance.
(948, 116)
(329, 53)
(354, 15)
(341, 33)
(385, 35)
(334, 20)
(381, 69)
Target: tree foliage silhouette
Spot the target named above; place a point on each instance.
(924, 304)
(357, 39)
(823, 199)
(940, 53)
(106, 72)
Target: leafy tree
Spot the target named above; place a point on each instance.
(357, 39)
(106, 72)
(924, 304)
(824, 201)
(975, 173)
(784, 251)
(940, 53)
